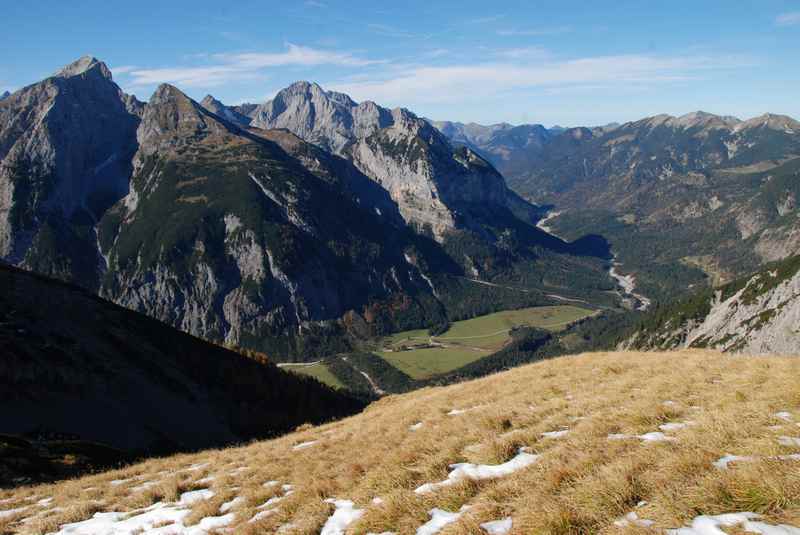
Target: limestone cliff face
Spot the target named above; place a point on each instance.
(432, 183)
(230, 235)
(65, 150)
(756, 315)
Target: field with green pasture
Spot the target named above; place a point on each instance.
(420, 355)
(318, 370)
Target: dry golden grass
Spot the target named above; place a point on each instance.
(581, 484)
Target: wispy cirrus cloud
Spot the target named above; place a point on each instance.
(224, 68)
(473, 82)
(533, 32)
(123, 69)
(788, 19)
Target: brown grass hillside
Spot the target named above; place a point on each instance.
(582, 482)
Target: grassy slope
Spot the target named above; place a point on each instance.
(318, 371)
(470, 340)
(581, 483)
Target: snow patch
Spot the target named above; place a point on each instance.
(439, 519)
(653, 436)
(304, 445)
(227, 506)
(159, 518)
(415, 426)
(674, 426)
(456, 412)
(710, 525)
(555, 434)
(476, 472)
(11, 512)
(497, 527)
(632, 519)
(789, 441)
(344, 515)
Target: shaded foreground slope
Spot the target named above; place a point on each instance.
(605, 435)
(77, 370)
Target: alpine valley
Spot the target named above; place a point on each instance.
(318, 223)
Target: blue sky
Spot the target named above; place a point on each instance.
(562, 62)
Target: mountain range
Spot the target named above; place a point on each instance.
(683, 200)
(254, 234)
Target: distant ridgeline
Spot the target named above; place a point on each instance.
(684, 201)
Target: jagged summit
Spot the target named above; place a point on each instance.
(226, 112)
(82, 65)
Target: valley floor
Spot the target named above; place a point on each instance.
(596, 443)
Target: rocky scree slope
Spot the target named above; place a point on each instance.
(84, 382)
(759, 314)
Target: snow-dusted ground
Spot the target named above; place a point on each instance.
(439, 519)
(653, 436)
(498, 527)
(344, 515)
(158, 519)
(461, 471)
(710, 525)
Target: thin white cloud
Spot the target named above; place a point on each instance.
(243, 66)
(123, 69)
(788, 19)
(534, 32)
(315, 4)
(484, 20)
(391, 31)
(294, 55)
(473, 82)
(524, 53)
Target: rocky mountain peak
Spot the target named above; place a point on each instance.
(5, 95)
(226, 112)
(705, 119)
(772, 121)
(83, 65)
(171, 118)
(209, 100)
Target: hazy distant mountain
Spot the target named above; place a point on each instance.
(676, 196)
(4, 94)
